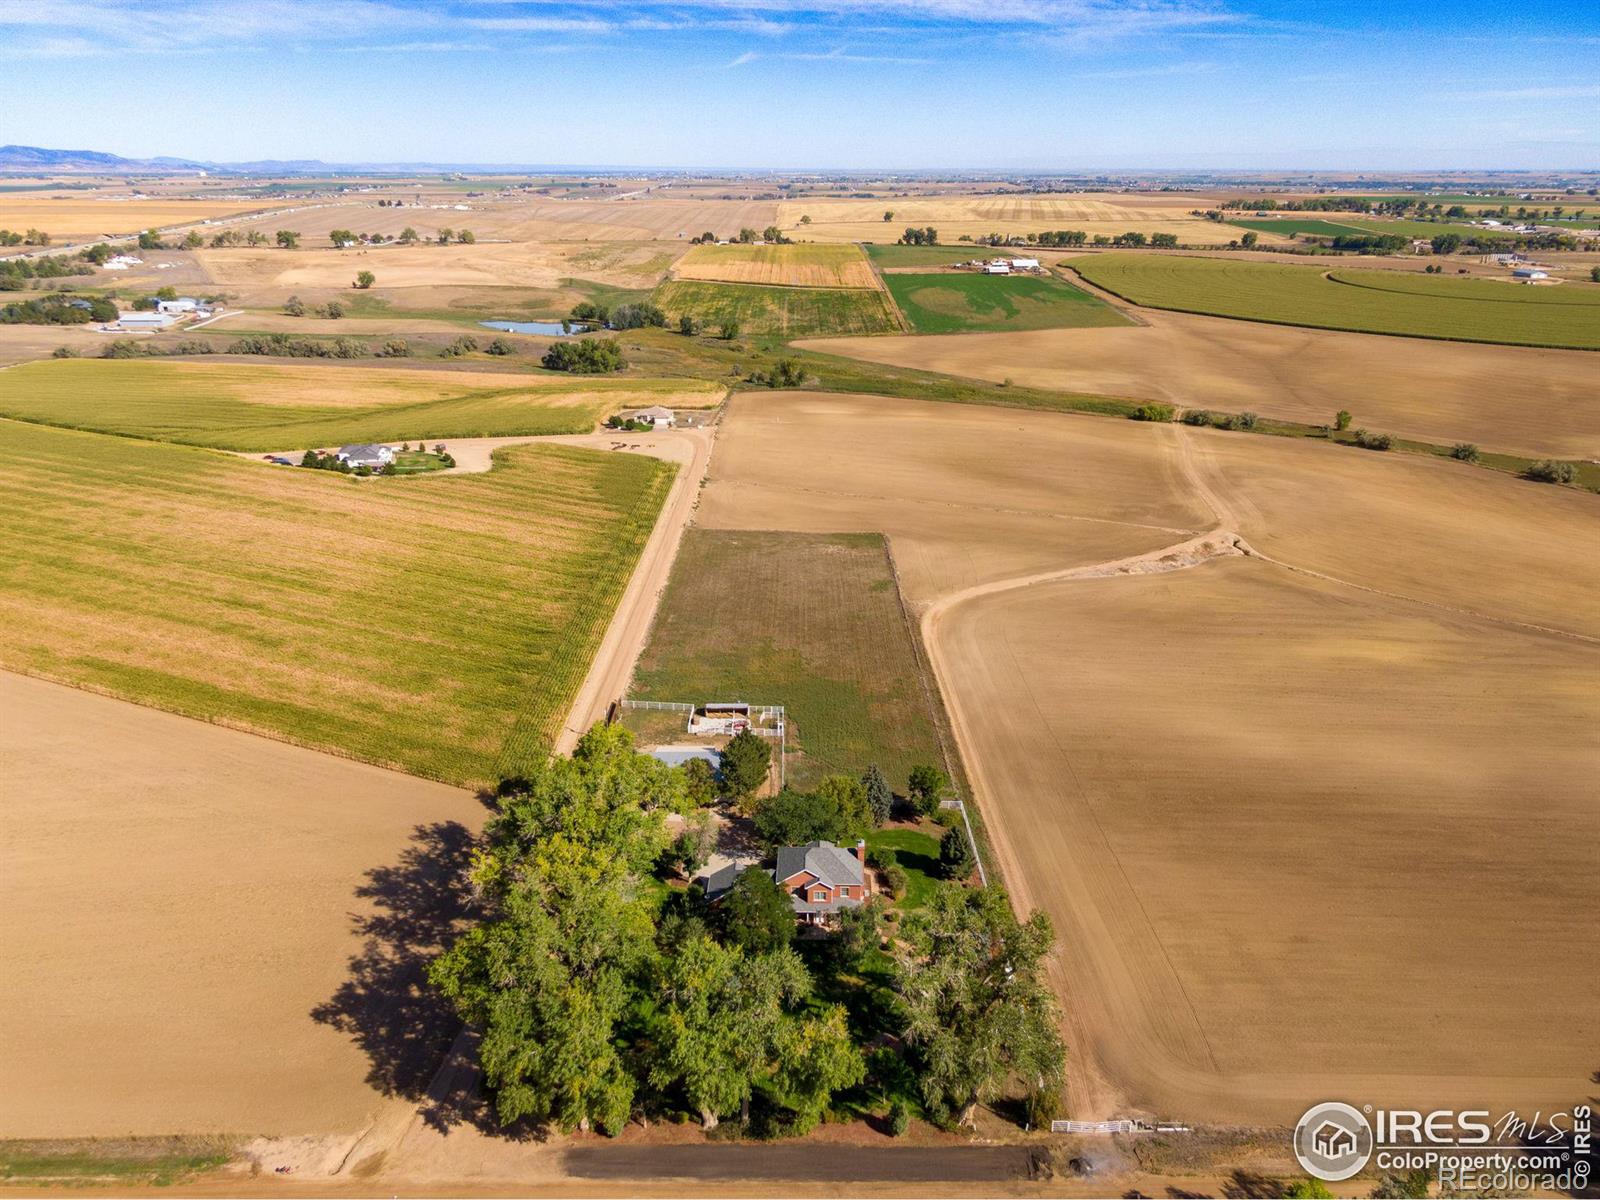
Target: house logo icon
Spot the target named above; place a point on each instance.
(1333, 1141)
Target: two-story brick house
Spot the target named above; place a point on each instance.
(819, 879)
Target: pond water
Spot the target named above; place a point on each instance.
(544, 328)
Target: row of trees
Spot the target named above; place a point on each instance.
(771, 234)
(919, 237)
(595, 1001)
(27, 237)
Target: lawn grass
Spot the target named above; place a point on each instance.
(1428, 306)
(793, 264)
(894, 255)
(439, 624)
(262, 406)
(789, 312)
(809, 621)
(124, 1162)
(965, 303)
(918, 854)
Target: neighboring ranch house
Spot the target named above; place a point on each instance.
(661, 418)
(820, 879)
(998, 267)
(183, 304)
(365, 455)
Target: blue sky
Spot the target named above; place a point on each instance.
(893, 84)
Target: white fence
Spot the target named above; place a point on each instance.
(1106, 1127)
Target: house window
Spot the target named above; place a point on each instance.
(819, 893)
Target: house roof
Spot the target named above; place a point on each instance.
(361, 450)
(832, 865)
(654, 412)
(720, 881)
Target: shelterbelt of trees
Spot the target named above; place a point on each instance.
(603, 993)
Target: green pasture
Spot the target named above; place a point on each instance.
(251, 406)
(963, 303)
(809, 621)
(1410, 305)
(440, 625)
(895, 255)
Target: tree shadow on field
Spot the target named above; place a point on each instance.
(387, 1006)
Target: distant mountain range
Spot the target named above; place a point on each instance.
(36, 160)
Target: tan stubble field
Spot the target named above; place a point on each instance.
(1509, 398)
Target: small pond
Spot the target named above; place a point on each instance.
(543, 328)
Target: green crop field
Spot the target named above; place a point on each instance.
(785, 311)
(1291, 226)
(895, 255)
(271, 406)
(809, 621)
(439, 624)
(962, 303)
(1411, 305)
(1377, 226)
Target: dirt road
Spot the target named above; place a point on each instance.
(630, 626)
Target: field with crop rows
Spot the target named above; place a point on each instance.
(785, 311)
(1290, 226)
(1433, 307)
(809, 621)
(437, 624)
(957, 303)
(892, 254)
(269, 406)
(792, 265)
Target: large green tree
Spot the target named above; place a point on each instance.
(746, 760)
(837, 812)
(880, 796)
(731, 1023)
(979, 1014)
(756, 914)
(546, 983)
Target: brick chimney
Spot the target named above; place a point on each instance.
(860, 851)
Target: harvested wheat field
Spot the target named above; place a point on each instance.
(541, 219)
(261, 272)
(221, 998)
(1515, 399)
(839, 220)
(77, 218)
(793, 265)
(1284, 808)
